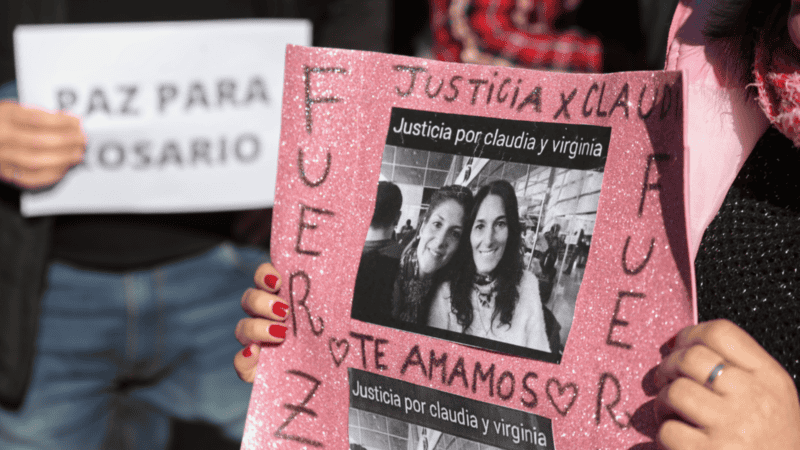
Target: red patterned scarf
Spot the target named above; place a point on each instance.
(777, 77)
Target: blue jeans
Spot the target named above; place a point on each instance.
(8, 91)
(119, 354)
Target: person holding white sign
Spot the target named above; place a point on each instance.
(115, 323)
(38, 147)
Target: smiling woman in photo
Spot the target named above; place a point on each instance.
(426, 261)
(492, 296)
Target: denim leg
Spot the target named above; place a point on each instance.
(135, 424)
(120, 354)
(200, 300)
(78, 348)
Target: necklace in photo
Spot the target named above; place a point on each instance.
(485, 291)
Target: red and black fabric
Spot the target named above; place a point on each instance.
(513, 33)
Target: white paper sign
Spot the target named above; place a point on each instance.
(180, 116)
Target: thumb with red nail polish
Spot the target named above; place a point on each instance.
(246, 362)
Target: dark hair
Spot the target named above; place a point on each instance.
(746, 21)
(459, 194)
(508, 272)
(387, 204)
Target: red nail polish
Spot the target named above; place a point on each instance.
(247, 353)
(271, 281)
(280, 309)
(278, 331)
(671, 342)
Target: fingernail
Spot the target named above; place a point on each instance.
(247, 353)
(671, 342)
(280, 309)
(271, 281)
(277, 331)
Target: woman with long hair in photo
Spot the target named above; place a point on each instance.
(493, 296)
(428, 258)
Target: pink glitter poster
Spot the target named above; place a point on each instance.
(474, 257)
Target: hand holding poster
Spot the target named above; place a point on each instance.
(180, 116)
(479, 323)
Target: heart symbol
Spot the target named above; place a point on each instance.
(342, 348)
(561, 389)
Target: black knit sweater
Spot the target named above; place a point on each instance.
(748, 263)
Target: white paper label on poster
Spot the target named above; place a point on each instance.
(180, 116)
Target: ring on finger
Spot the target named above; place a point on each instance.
(713, 375)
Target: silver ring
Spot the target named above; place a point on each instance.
(714, 374)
